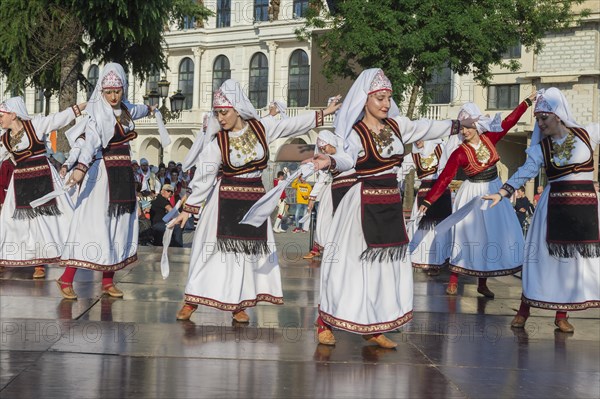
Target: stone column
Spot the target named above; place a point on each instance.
(198, 51)
(272, 54)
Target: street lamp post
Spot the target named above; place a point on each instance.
(153, 98)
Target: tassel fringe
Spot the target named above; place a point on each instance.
(118, 209)
(591, 250)
(388, 254)
(31, 213)
(248, 247)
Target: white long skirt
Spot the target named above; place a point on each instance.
(432, 250)
(228, 280)
(488, 242)
(358, 296)
(37, 241)
(96, 240)
(552, 282)
(324, 216)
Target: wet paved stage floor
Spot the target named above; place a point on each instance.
(455, 347)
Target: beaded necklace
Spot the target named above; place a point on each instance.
(15, 139)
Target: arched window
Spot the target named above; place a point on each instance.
(298, 79)
(92, 78)
(152, 81)
(221, 72)
(186, 82)
(259, 80)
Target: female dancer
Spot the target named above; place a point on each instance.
(32, 236)
(486, 242)
(561, 271)
(103, 234)
(366, 279)
(233, 266)
(432, 249)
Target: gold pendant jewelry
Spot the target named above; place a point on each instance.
(383, 139)
(428, 162)
(245, 145)
(483, 154)
(15, 139)
(563, 152)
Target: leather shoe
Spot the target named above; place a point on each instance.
(564, 326)
(518, 321)
(452, 289)
(485, 291)
(241, 316)
(112, 290)
(186, 312)
(67, 291)
(39, 272)
(310, 255)
(380, 340)
(326, 337)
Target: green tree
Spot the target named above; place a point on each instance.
(412, 39)
(45, 42)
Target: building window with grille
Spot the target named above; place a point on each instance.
(298, 79)
(261, 10)
(186, 82)
(152, 81)
(92, 78)
(189, 22)
(259, 80)
(38, 106)
(300, 7)
(223, 13)
(221, 72)
(513, 52)
(439, 87)
(503, 96)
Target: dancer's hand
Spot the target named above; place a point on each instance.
(495, 198)
(333, 106)
(76, 177)
(469, 122)
(320, 161)
(181, 220)
(63, 171)
(423, 209)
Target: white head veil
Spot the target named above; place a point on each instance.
(16, 105)
(229, 95)
(484, 123)
(552, 101)
(328, 137)
(100, 117)
(353, 107)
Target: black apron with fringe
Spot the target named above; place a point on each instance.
(121, 182)
(382, 219)
(32, 179)
(339, 187)
(440, 210)
(572, 224)
(236, 197)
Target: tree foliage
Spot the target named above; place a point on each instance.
(36, 36)
(412, 39)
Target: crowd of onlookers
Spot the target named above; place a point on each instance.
(159, 190)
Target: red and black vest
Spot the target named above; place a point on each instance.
(475, 167)
(554, 171)
(120, 136)
(421, 172)
(36, 147)
(372, 162)
(227, 167)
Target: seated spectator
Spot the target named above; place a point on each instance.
(160, 207)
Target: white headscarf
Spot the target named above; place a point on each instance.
(328, 137)
(484, 123)
(100, 117)
(233, 93)
(353, 107)
(16, 105)
(552, 101)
